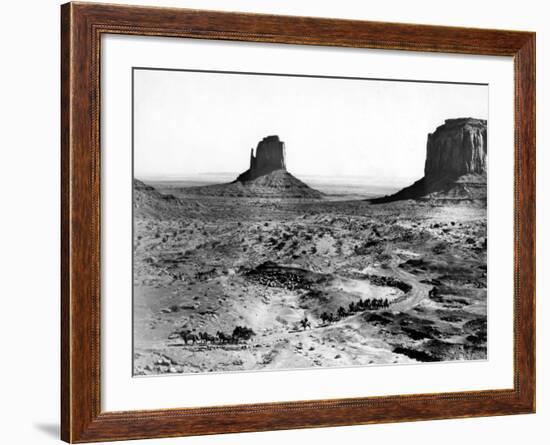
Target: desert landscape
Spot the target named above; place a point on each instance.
(266, 272)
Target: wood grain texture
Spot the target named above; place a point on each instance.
(81, 28)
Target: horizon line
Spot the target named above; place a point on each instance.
(362, 178)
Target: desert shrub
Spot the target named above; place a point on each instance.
(363, 249)
(439, 248)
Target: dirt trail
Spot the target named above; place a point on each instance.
(418, 292)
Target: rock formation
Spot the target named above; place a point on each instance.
(270, 156)
(456, 164)
(459, 147)
(149, 202)
(278, 184)
(144, 194)
(267, 177)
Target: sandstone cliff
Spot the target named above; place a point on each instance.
(270, 156)
(456, 164)
(267, 177)
(459, 147)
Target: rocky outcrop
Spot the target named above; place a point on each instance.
(456, 164)
(267, 177)
(278, 184)
(270, 156)
(459, 147)
(149, 202)
(144, 194)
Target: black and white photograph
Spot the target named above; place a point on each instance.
(298, 221)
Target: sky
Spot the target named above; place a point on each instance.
(189, 123)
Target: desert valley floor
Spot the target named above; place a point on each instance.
(398, 282)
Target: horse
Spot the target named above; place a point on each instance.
(305, 323)
(206, 337)
(191, 337)
(223, 338)
(187, 335)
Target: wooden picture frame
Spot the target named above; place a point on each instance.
(82, 25)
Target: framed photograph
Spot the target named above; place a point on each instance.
(274, 222)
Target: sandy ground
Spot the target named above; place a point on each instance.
(204, 271)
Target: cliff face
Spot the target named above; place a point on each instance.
(459, 147)
(270, 156)
(456, 164)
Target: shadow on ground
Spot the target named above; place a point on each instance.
(49, 429)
